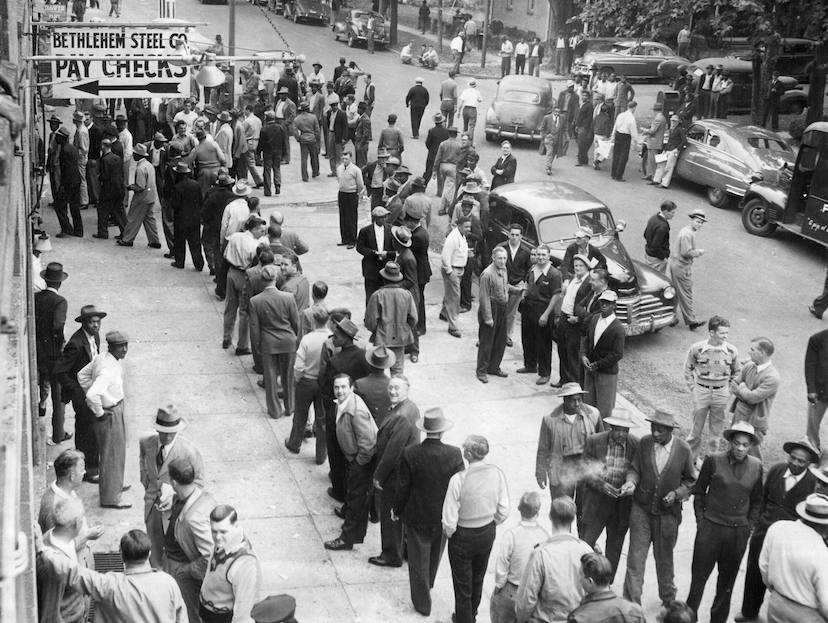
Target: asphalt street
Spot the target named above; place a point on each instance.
(762, 285)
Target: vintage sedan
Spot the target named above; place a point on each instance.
(793, 100)
(627, 58)
(727, 157)
(551, 212)
(518, 108)
(309, 11)
(355, 26)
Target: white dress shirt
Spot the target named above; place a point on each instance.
(662, 454)
(103, 381)
(601, 326)
(93, 346)
(234, 217)
(568, 305)
(625, 124)
(455, 251)
(379, 234)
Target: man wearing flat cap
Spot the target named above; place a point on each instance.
(601, 505)
(374, 244)
(68, 191)
(680, 264)
(425, 472)
(50, 318)
(727, 498)
(275, 609)
(601, 349)
(659, 479)
(82, 347)
(111, 197)
(156, 450)
(285, 115)
(436, 135)
(787, 484)
(308, 133)
(794, 564)
(103, 381)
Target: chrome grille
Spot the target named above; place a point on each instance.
(643, 309)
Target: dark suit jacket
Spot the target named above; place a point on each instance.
(419, 247)
(111, 176)
(651, 487)
(76, 354)
(409, 270)
(569, 257)
(50, 317)
(366, 245)
(509, 166)
(274, 321)
(597, 505)
(425, 471)
(610, 347)
(816, 365)
(186, 203)
(778, 504)
(70, 178)
(395, 434)
(518, 268)
(373, 389)
(351, 361)
(340, 132)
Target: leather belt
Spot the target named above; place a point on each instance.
(710, 386)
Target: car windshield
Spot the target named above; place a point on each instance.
(560, 230)
(522, 97)
(771, 144)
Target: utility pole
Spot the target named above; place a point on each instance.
(486, 33)
(393, 34)
(231, 40)
(439, 25)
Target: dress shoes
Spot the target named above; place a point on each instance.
(342, 244)
(741, 618)
(213, 272)
(119, 505)
(338, 545)
(339, 511)
(225, 344)
(287, 445)
(121, 243)
(63, 235)
(442, 317)
(53, 442)
(557, 385)
(169, 256)
(99, 237)
(260, 383)
(814, 312)
(154, 245)
(464, 310)
(526, 370)
(483, 378)
(243, 351)
(542, 380)
(331, 494)
(695, 325)
(454, 333)
(94, 478)
(500, 373)
(177, 265)
(509, 342)
(258, 369)
(415, 358)
(379, 561)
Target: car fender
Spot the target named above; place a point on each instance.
(772, 195)
(791, 96)
(650, 281)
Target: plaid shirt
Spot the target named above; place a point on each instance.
(615, 464)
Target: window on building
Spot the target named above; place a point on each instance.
(530, 7)
(510, 5)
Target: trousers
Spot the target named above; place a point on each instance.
(208, 233)
(416, 120)
(392, 533)
(537, 340)
(717, 545)
(235, 292)
(348, 207)
(278, 365)
(85, 431)
(511, 312)
(337, 462)
(358, 500)
(470, 121)
(784, 610)
(755, 588)
(662, 532)
(68, 201)
(708, 403)
(272, 168)
(190, 587)
(168, 224)
(469, 550)
(451, 295)
(664, 170)
(188, 236)
(617, 525)
(110, 432)
(309, 150)
(682, 276)
(308, 393)
(569, 350)
(141, 213)
(48, 383)
(620, 155)
(421, 319)
(111, 208)
(601, 390)
(447, 178)
(491, 340)
(816, 411)
(656, 263)
(426, 545)
(821, 302)
(502, 604)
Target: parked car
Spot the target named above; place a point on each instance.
(519, 107)
(551, 212)
(794, 100)
(626, 58)
(795, 55)
(354, 27)
(727, 157)
(310, 11)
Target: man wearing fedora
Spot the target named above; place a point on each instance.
(111, 197)
(207, 160)
(491, 315)
(563, 435)
(274, 323)
(363, 134)
(425, 472)
(708, 369)
(794, 564)
(680, 265)
(435, 137)
(727, 498)
(81, 348)
(602, 506)
(185, 201)
(103, 381)
(659, 479)
(396, 432)
(308, 133)
(391, 315)
(356, 434)
(239, 255)
(50, 318)
(787, 484)
(754, 389)
(53, 155)
(156, 450)
(350, 360)
(656, 136)
(80, 140)
(271, 145)
(215, 200)
(144, 198)
(373, 389)
(401, 241)
(446, 161)
(67, 192)
(374, 244)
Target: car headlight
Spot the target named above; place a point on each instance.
(755, 176)
(669, 293)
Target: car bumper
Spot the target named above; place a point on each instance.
(512, 132)
(644, 313)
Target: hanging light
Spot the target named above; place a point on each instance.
(182, 56)
(209, 75)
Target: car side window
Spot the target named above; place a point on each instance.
(696, 133)
(655, 52)
(714, 140)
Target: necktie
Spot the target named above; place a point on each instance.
(159, 458)
(790, 481)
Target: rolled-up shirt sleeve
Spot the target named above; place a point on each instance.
(451, 505)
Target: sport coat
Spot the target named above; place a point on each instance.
(192, 532)
(111, 176)
(816, 365)
(395, 434)
(419, 247)
(76, 354)
(597, 505)
(391, 316)
(778, 504)
(425, 472)
(340, 131)
(517, 268)
(186, 203)
(152, 477)
(509, 166)
(373, 389)
(50, 318)
(366, 246)
(364, 134)
(274, 321)
(609, 349)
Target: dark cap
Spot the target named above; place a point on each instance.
(274, 609)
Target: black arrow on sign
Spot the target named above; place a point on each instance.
(95, 87)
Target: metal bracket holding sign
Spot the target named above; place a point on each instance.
(101, 62)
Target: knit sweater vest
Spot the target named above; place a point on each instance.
(479, 489)
(728, 497)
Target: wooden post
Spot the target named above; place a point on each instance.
(393, 33)
(439, 25)
(486, 21)
(231, 40)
